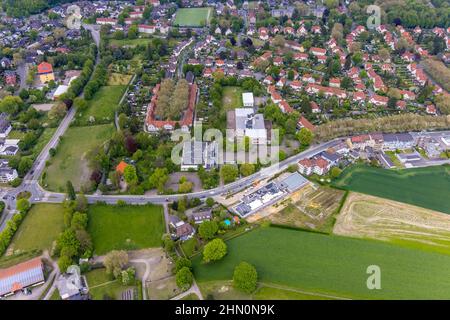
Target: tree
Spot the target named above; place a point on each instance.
(208, 229)
(247, 169)
(11, 104)
(293, 167)
(214, 250)
(64, 262)
(335, 172)
(182, 263)
(25, 164)
(122, 121)
(129, 174)
(22, 205)
(80, 104)
(185, 187)
(158, 179)
(79, 221)
(305, 136)
(245, 277)
(70, 191)
(210, 202)
(133, 32)
(81, 204)
(184, 278)
(228, 173)
(115, 261)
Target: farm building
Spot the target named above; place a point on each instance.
(23, 275)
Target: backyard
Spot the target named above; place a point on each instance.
(41, 226)
(70, 163)
(193, 17)
(125, 227)
(323, 264)
(103, 287)
(232, 98)
(424, 187)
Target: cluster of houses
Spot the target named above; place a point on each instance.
(8, 147)
(376, 146)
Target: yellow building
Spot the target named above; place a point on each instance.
(45, 72)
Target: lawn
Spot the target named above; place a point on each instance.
(70, 161)
(102, 105)
(102, 287)
(130, 42)
(125, 227)
(193, 17)
(333, 265)
(232, 98)
(423, 187)
(41, 226)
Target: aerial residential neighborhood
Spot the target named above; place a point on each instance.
(224, 150)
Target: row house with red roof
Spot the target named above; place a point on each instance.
(317, 165)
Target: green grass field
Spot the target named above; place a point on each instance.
(103, 105)
(130, 42)
(332, 265)
(424, 187)
(102, 286)
(232, 98)
(41, 226)
(70, 161)
(193, 17)
(125, 227)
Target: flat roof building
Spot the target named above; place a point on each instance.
(199, 153)
(248, 100)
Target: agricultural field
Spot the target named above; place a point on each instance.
(311, 207)
(232, 98)
(193, 17)
(332, 265)
(125, 227)
(377, 218)
(70, 163)
(102, 287)
(102, 106)
(424, 187)
(41, 226)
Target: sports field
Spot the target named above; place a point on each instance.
(70, 161)
(193, 17)
(125, 227)
(333, 265)
(424, 187)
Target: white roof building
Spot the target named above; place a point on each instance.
(248, 100)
